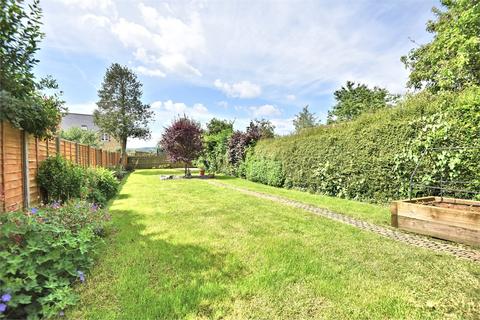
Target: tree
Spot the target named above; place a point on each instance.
(304, 119)
(215, 126)
(23, 101)
(355, 99)
(182, 141)
(120, 111)
(239, 142)
(88, 137)
(451, 61)
(260, 129)
(215, 141)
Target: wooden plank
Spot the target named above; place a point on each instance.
(439, 230)
(447, 216)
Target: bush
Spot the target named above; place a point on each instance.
(264, 170)
(371, 158)
(60, 180)
(102, 185)
(42, 253)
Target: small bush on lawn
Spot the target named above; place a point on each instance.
(42, 252)
(61, 180)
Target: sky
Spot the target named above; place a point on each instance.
(235, 60)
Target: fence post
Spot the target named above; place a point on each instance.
(57, 145)
(88, 156)
(76, 152)
(25, 170)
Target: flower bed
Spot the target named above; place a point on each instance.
(44, 251)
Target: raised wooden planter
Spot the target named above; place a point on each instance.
(445, 218)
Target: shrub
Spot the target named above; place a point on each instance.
(264, 170)
(371, 158)
(102, 185)
(42, 252)
(60, 180)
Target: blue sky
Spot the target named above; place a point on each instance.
(236, 60)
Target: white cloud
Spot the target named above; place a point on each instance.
(242, 89)
(150, 72)
(223, 104)
(85, 108)
(267, 110)
(283, 126)
(290, 97)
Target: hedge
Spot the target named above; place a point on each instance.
(372, 157)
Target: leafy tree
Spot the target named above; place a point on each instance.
(260, 129)
(182, 141)
(120, 111)
(22, 100)
(215, 141)
(355, 99)
(237, 145)
(88, 137)
(240, 142)
(451, 61)
(304, 119)
(215, 126)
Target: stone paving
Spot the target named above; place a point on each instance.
(391, 233)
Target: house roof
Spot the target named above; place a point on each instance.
(79, 120)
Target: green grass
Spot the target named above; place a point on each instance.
(377, 214)
(184, 249)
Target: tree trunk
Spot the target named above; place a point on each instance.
(124, 154)
(185, 169)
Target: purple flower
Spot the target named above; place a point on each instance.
(33, 210)
(6, 297)
(3, 307)
(95, 207)
(81, 276)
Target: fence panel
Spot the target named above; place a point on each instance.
(20, 158)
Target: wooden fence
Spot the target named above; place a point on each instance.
(150, 162)
(21, 155)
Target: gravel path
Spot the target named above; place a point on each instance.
(392, 233)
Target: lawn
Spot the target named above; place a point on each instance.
(185, 249)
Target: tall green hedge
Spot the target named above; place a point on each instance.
(372, 157)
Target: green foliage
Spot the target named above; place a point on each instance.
(88, 137)
(305, 119)
(452, 59)
(261, 129)
(19, 38)
(356, 99)
(121, 112)
(455, 125)
(61, 180)
(24, 101)
(42, 252)
(266, 171)
(102, 185)
(215, 141)
(373, 157)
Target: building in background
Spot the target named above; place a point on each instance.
(85, 121)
